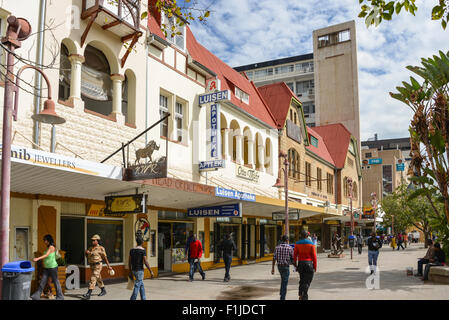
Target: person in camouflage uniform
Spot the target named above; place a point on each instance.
(95, 256)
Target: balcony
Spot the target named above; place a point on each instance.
(121, 17)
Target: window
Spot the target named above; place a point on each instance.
(368, 155)
(308, 174)
(354, 191)
(64, 74)
(345, 187)
(243, 96)
(304, 67)
(304, 87)
(249, 74)
(284, 69)
(291, 114)
(177, 36)
(291, 85)
(330, 183)
(350, 162)
(334, 38)
(72, 239)
(295, 118)
(96, 83)
(270, 239)
(258, 74)
(308, 107)
(318, 179)
(163, 111)
(387, 179)
(111, 233)
(293, 160)
(314, 141)
(179, 120)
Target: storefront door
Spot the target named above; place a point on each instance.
(164, 247)
(46, 224)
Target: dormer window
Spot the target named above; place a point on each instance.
(241, 95)
(175, 32)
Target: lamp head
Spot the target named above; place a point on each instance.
(48, 115)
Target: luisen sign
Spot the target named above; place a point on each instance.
(228, 210)
(215, 97)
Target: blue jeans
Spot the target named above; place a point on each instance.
(138, 285)
(285, 273)
(372, 258)
(194, 266)
(227, 259)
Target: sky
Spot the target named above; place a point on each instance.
(242, 32)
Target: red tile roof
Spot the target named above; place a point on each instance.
(322, 150)
(278, 97)
(229, 78)
(337, 139)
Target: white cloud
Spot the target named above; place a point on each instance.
(244, 32)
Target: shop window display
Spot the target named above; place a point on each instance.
(270, 239)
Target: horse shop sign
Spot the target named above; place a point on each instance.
(153, 168)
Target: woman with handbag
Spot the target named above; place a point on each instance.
(50, 269)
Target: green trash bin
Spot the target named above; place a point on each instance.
(17, 280)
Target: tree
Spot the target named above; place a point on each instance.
(374, 11)
(408, 211)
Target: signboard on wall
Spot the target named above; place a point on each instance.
(234, 194)
(215, 145)
(375, 161)
(280, 216)
(213, 85)
(211, 165)
(135, 203)
(224, 95)
(293, 131)
(247, 174)
(228, 210)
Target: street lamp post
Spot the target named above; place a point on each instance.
(18, 30)
(278, 185)
(374, 204)
(350, 208)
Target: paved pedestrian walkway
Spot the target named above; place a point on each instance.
(335, 279)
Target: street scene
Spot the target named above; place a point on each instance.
(239, 150)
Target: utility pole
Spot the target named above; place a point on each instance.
(350, 208)
(279, 185)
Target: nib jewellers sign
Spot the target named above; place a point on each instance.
(59, 162)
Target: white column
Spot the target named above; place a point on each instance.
(261, 157)
(238, 147)
(225, 146)
(76, 62)
(117, 80)
(251, 153)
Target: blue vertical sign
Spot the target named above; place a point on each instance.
(214, 131)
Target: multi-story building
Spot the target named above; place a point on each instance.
(321, 161)
(326, 80)
(384, 166)
(109, 96)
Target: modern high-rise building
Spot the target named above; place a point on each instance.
(326, 81)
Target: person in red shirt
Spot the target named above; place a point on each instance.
(305, 261)
(195, 253)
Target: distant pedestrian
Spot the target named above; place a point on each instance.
(283, 256)
(400, 241)
(374, 244)
(315, 240)
(405, 239)
(305, 260)
(410, 238)
(95, 256)
(195, 253)
(50, 269)
(226, 247)
(426, 258)
(393, 242)
(136, 261)
(359, 243)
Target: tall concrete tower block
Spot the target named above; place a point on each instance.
(336, 76)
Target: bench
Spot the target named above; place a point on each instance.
(439, 274)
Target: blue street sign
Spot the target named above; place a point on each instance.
(400, 167)
(233, 194)
(213, 164)
(215, 145)
(214, 97)
(375, 161)
(228, 210)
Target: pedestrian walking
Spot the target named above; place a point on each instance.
(95, 256)
(359, 243)
(50, 269)
(400, 241)
(226, 247)
(374, 244)
(187, 248)
(305, 261)
(283, 256)
(405, 239)
(393, 242)
(195, 253)
(426, 258)
(136, 261)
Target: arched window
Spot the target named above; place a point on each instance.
(96, 84)
(64, 74)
